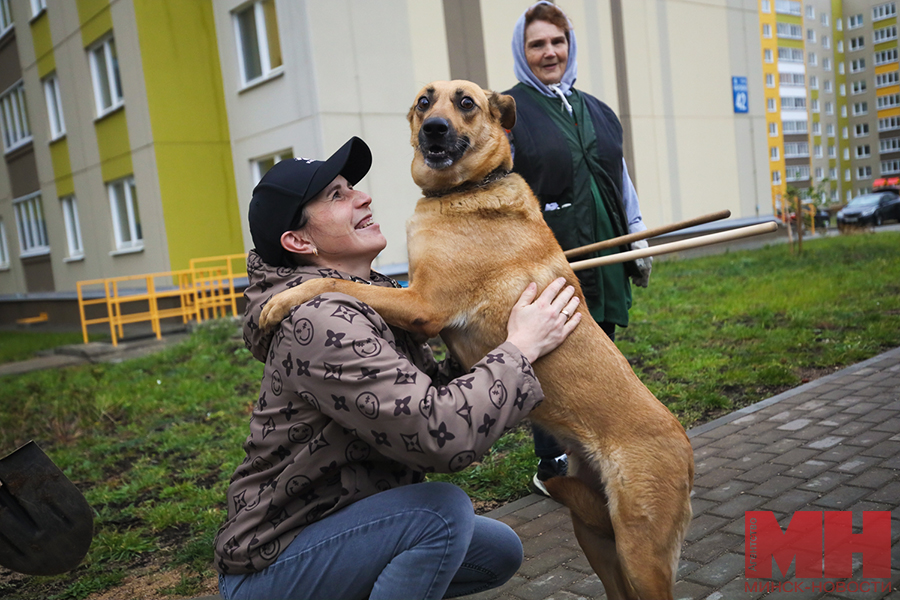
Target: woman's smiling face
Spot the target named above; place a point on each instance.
(341, 226)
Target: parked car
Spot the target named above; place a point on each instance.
(870, 209)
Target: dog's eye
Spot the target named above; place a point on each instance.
(467, 103)
(423, 103)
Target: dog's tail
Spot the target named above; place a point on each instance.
(586, 503)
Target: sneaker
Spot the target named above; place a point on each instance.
(548, 468)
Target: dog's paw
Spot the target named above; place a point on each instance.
(280, 305)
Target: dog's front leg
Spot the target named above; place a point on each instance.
(400, 307)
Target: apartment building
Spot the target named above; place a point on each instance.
(844, 53)
(135, 130)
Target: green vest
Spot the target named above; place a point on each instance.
(581, 200)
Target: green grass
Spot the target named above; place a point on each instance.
(152, 442)
(22, 345)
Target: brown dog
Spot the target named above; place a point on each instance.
(475, 241)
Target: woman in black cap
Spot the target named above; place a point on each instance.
(331, 499)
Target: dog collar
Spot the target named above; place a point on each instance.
(495, 175)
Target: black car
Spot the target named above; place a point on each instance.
(870, 209)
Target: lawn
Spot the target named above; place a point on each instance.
(152, 442)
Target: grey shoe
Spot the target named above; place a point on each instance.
(548, 468)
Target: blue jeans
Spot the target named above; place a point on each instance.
(417, 541)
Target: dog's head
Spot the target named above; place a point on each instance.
(458, 133)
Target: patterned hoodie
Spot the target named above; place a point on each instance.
(348, 407)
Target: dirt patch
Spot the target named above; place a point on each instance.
(149, 583)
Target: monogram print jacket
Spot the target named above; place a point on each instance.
(348, 407)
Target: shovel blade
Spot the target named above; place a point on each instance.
(46, 525)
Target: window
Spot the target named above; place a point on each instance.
(788, 7)
(54, 107)
(854, 22)
(770, 80)
(864, 172)
(883, 11)
(858, 65)
(888, 123)
(829, 130)
(817, 150)
(813, 82)
(858, 87)
(885, 56)
(844, 111)
(810, 12)
(770, 104)
(125, 215)
(790, 127)
(767, 30)
(766, 6)
(824, 20)
(796, 149)
(817, 128)
(259, 48)
(811, 35)
(16, 131)
(261, 165)
(826, 63)
(4, 248)
(105, 72)
(37, 7)
(828, 88)
(789, 102)
(825, 42)
(889, 145)
(863, 151)
(889, 101)
(845, 132)
(814, 105)
(767, 55)
(789, 31)
(857, 43)
(842, 90)
(6, 21)
(890, 167)
(790, 54)
(796, 173)
(889, 78)
(884, 34)
(819, 173)
(846, 154)
(73, 228)
(773, 129)
(776, 177)
(832, 151)
(840, 46)
(861, 130)
(841, 68)
(794, 79)
(31, 226)
(773, 153)
(811, 58)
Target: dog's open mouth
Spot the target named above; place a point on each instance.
(440, 155)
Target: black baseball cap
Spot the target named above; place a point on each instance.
(289, 185)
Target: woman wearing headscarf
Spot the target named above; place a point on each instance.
(567, 145)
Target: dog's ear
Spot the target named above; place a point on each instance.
(412, 111)
(503, 107)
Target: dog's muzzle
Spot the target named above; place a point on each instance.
(439, 143)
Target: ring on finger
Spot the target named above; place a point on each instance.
(565, 312)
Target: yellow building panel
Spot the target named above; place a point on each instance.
(95, 20)
(882, 69)
(890, 112)
(43, 44)
(115, 150)
(62, 167)
(887, 91)
(179, 51)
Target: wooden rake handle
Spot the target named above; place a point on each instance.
(697, 242)
(648, 233)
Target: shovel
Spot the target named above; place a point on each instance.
(46, 525)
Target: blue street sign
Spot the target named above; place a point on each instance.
(739, 88)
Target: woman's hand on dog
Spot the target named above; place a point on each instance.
(537, 325)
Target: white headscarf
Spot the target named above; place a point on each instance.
(523, 71)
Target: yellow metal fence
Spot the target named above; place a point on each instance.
(205, 290)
